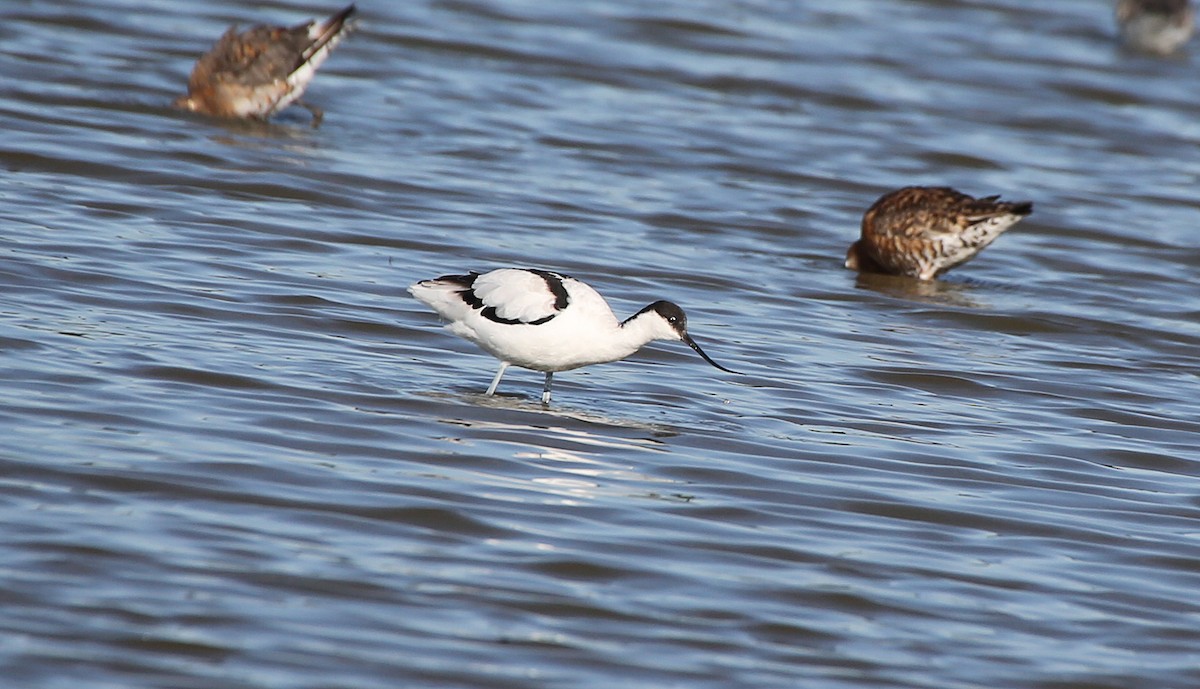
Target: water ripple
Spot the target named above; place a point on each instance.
(235, 452)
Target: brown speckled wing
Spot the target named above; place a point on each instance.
(923, 231)
(255, 73)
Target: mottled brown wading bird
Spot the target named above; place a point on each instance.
(924, 231)
(1156, 26)
(261, 71)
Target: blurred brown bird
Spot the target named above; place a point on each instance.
(924, 231)
(262, 70)
(1156, 26)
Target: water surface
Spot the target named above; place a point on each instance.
(235, 453)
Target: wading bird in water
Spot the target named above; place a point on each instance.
(546, 321)
(259, 72)
(1156, 26)
(924, 231)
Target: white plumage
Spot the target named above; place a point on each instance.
(545, 321)
(517, 294)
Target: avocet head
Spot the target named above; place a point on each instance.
(670, 323)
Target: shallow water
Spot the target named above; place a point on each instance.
(235, 453)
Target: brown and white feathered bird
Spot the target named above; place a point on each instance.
(925, 231)
(261, 71)
(1156, 26)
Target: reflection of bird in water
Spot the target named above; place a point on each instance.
(960, 293)
(544, 321)
(262, 70)
(924, 231)
(1156, 26)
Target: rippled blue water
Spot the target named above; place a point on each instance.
(235, 453)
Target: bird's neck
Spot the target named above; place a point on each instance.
(641, 329)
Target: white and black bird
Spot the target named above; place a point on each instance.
(546, 321)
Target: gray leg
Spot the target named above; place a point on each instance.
(317, 113)
(496, 380)
(546, 390)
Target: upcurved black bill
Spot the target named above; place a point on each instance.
(692, 343)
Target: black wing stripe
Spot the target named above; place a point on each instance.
(490, 314)
(466, 282)
(554, 283)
